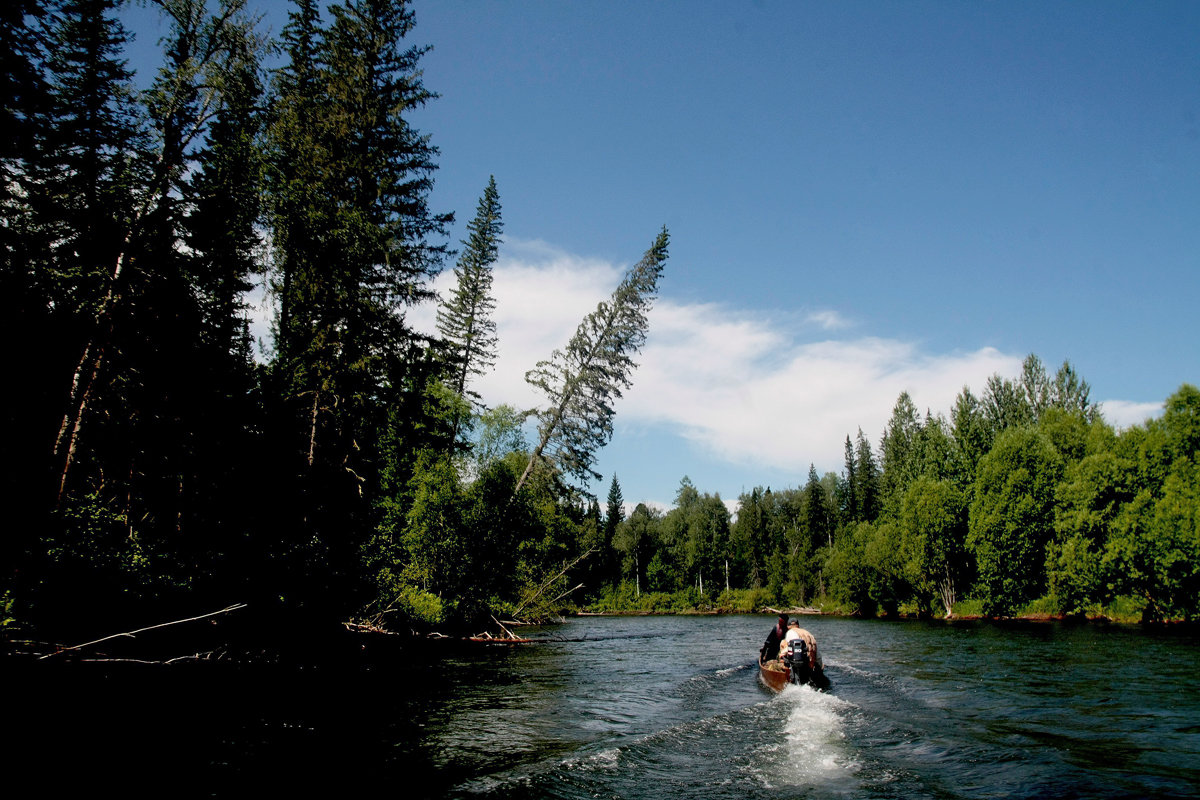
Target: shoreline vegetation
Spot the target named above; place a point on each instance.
(350, 471)
(347, 642)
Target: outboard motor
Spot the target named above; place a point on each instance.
(796, 659)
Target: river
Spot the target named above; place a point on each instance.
(671, 707)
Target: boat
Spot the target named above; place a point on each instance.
(795, 667)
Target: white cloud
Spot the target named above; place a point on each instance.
(756, 393)
(742, 388)
(541, 294)
(1123, 413)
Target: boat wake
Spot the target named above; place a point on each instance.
(813, 750)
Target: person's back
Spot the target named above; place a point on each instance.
(796, 632)
(770, 647)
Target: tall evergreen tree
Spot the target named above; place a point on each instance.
(355, 245)
(851, 507)
(1071, 393)
(86, 188)
(464, 319)
(868, 493)
(614, 511)
(583, 381)
(1005, 405)
(1035, 385)
(816, 511)
(899, 450)
(970, 430)
(368, 250)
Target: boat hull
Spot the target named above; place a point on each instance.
(777, 679)
(774, 679)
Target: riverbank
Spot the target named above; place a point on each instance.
(239, 636)
(1122, 610)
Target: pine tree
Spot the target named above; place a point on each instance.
(354, 245)
(816, 510)
(464, 319)
(583, 381)
(221, 230)
(86, 191)
(850, 481)
(868, 492)
(899, 450)
(351, 208)
(614, 515)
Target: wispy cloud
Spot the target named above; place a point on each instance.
(829, 320)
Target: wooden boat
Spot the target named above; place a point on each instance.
(793, 668)
(774, 679)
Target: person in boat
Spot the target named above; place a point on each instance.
(770, 648)
(794, 631)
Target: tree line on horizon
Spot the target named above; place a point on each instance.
(155, 466)
(1025, 499)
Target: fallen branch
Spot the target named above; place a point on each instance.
(547, 584)
(567, 592)
(193, 657)
(507, 632)
(131, 634)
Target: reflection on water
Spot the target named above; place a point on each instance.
(671, 707)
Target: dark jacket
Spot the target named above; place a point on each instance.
(770, 648)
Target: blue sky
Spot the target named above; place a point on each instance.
(863, 198)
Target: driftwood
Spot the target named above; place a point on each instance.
(791, 611)
(194, 657)
(131, 634)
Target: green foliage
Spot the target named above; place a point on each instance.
(1075, 574)
(1012, 517)
(413, 605)
(969, 607)
(848, 576)
(933, 525)
(500, 433)
(8, 616)
(746, 601)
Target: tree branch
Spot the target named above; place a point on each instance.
(131, 634)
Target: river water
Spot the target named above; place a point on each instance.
(671, 707)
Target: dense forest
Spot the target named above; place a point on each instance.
(1024, 501)
(158, 458)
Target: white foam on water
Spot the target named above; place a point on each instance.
(603, 761)
(813, 750)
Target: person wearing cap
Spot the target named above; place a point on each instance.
(770, 648)
(794, 631)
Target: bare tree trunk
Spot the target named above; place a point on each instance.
(312, 432)
(67, 442)
(946, 590)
